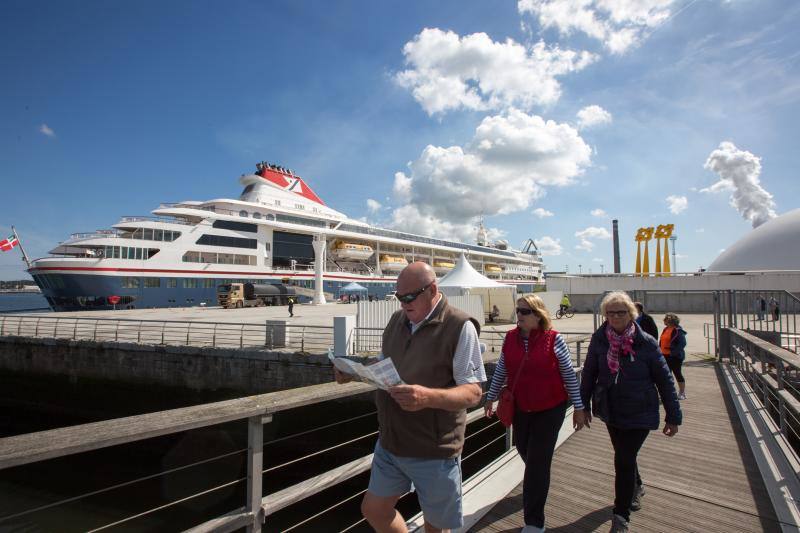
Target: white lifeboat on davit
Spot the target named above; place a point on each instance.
(351, 250)
(443, 266)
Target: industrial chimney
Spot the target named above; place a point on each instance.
(615, 231)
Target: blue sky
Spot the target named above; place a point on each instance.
(417, 115)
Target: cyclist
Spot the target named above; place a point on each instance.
(565, 303)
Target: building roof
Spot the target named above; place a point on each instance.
(774, 245)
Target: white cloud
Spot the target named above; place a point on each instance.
(410, 218)
(588, 235)
(599, 213)
(598, 260)
(618, 24)
(47, 130)
(542, 213)
(373, 206)
(677, 204)
(700, 230)
(549, 246)
(593, 115)
(447, 72)
(505, 168)
(739, 172)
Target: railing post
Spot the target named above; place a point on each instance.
(241, 336)
(3, 326)
(75, 331)
(94, 332)
(188, 332)
(214, 336)
(782, 415)
(716, 325)
(509, 440)
(303, 340)
(163, 327)
(55, 329)
(36, 329)
(116, 332)
(255, 468)
(139, 333)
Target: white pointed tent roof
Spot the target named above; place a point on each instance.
(464, 275)
(353, 287)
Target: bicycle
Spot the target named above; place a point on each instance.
(569, 313)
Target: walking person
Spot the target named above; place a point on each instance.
(673, 347)
(291, 307)
(646, 321)
(623, 377)
(539, 363)
(774, 308)
(761, 307)
(421, 423)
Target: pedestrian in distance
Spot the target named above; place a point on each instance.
(761, 307)
(291, 307)
(673, 346)
(774, 308)
(421, 423)
(539, 364)
(623, 377)
(646, 321)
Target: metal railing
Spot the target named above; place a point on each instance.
(295, 337)
(370, 340)
(742, 309)
(773, 373)
(257, 411)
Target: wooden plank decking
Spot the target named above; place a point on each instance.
(703, 479)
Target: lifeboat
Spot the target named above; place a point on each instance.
(392, 262)
(443, 266)
(491, 268)
(351, 251)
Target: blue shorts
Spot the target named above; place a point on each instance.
(436, 481)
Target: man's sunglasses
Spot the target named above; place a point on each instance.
(411, 296)
(524, 312)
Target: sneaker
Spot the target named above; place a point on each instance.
(619, 525)
(682, 396)
(636, 503)
(532, 529)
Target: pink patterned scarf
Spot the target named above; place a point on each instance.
(619, 345)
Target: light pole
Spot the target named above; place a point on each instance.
(674, 261)
(579, 270)
(601, 268)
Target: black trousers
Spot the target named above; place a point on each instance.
(674, 365)
(535, 436)
(627, 443)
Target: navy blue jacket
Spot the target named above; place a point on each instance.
(677, 346)
(633, 392)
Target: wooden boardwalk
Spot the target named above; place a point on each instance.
(704, 479)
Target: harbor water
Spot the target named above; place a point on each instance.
(22, 301)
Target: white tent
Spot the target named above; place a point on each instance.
(464, 279)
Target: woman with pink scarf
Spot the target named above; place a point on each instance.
(623, 377)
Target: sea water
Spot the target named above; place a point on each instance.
(19, 301)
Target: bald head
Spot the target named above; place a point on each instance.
(420, 279)
(417, 273)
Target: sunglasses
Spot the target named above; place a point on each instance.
(524, 312)
(411, 296)
(616, 313)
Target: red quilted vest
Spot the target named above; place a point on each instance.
(540, 385)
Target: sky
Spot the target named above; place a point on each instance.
(546, 119)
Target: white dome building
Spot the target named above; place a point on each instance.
(774, 245)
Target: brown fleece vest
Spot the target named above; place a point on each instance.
(424, 358)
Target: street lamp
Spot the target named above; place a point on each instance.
(674, 261)
(601, 268)
(579, 269)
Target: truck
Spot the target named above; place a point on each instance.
(240, 295)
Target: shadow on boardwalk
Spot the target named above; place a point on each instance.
(703, 479)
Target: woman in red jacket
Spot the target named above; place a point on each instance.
(537, 364)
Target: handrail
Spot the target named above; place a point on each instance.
(32, 447)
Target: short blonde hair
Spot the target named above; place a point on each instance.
(619, 297)
(539, 309)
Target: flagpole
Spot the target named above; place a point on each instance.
(21, 249)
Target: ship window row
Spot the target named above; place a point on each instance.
(300, 220)
(236, 226)
(172, 283)
(221, 259)
(424, 240)
(128, 252)
(230, 242)
(147, 234)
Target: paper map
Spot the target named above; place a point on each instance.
(382, 374)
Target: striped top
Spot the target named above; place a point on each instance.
(564, 366)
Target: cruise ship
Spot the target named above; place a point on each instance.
(278, 231)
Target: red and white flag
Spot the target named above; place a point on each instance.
(9, 243)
